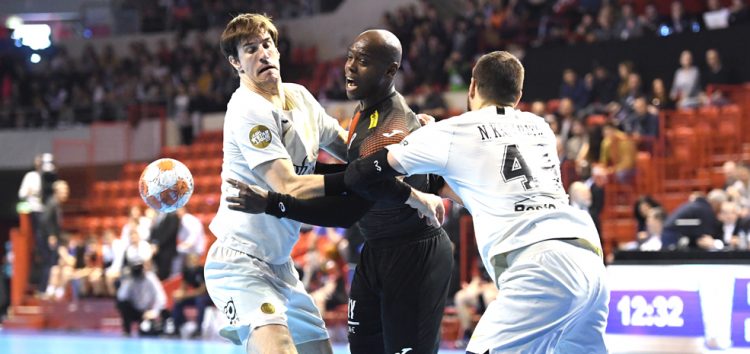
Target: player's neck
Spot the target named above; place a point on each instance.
(376, 98)
(272, 93)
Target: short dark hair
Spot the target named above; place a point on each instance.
(243, 27)
(499, 77)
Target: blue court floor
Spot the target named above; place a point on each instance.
(94, 343)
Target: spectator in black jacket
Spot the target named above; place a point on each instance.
(50, 226)
(164, 237)
(695, 224)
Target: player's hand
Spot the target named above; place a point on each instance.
(429, 206)
(251, 198)
(425, 119)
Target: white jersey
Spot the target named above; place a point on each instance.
(503, 164)
(256, 132)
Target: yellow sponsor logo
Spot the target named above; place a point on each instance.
(373, 120)
(260, 136)
(267, 308)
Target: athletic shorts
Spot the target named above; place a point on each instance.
(398, 294)
(552, 299)
(253, 293)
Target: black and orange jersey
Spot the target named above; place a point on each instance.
(373, 128)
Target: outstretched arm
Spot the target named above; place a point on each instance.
(332, 211)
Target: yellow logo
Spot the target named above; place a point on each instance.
(373, 120)
(267, 308)
(260, 136)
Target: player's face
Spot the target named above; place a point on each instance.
(258, 57)
(364, 71)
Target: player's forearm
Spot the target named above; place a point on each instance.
(307, 186)
(331, 211)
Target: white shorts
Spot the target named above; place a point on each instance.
(252, 293)
(552, 298)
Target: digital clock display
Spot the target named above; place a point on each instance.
(668, 313)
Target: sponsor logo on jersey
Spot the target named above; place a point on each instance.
(373, 120)
(260, 136)
(231, 312)
(528, 204)
(267, 308)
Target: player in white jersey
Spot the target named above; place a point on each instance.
(543, 254)
(272, 133)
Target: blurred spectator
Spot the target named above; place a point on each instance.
(605, 30)
(642, 123)
(729, 168)
(539, 108)
(624, 69)
(62, 270)
(577, 145)
(30, 192)
(574, 89)
(580, 196)
(650, 19)
(678, 22)
(716, 15)
(141, 299)
(629, 25)
(192, 292)
(739, 13)
(659, 98)
(138, 222)
(603, 86)
(51, 230)
(164, 238)
(565, 118)
(471, 300)
(715, 74)
(654, 228)
(191, 238)
(331, 290)
(642, 207)
(729, 216)
(617, 153)
(695, 224)
(686, 83)
(433, 103)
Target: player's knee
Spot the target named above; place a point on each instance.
(270, 339)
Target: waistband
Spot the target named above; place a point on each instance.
(405, 239)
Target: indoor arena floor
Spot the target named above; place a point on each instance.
(66, 343)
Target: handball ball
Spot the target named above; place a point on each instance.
(166, 185)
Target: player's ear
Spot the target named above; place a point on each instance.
(472, 88)
(518, 100)
(234, 62)
(392, 69)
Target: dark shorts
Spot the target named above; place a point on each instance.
(398, 294)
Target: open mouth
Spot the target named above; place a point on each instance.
(266, 68)
(350, 84)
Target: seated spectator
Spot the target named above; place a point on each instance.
(651, 239)
(62, 270)
(650, 19)
(473, 299)
(642, 124)
(433, 103)
(577, 145)
(739, 13)
(659, 98)
(141, 299)
(629, 25)
(729, 168)
(565, 118)
(641, 209)
(715, 74)
(136, 220)
(729, 216)
(574, 89)
(678, 21)
(617, 153)
(695, 224)
(192, 292)
(331, 289)
(603, 86)
(686, 84)
(716, 15)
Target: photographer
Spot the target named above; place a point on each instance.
(141, 298)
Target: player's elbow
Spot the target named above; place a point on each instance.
(355, 177)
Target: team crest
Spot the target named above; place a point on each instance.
(231, 312)
(267, 308)
(373, 120)
(260, 136)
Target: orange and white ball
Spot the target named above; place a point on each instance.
(166, 185)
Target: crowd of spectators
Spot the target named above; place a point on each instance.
(717, 221)
(189, 76)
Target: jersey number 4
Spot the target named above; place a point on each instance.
(515, 167)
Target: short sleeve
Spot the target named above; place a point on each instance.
(257, 135)
(425, 150)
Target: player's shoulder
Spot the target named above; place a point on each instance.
(245, 104)
(299, 91)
